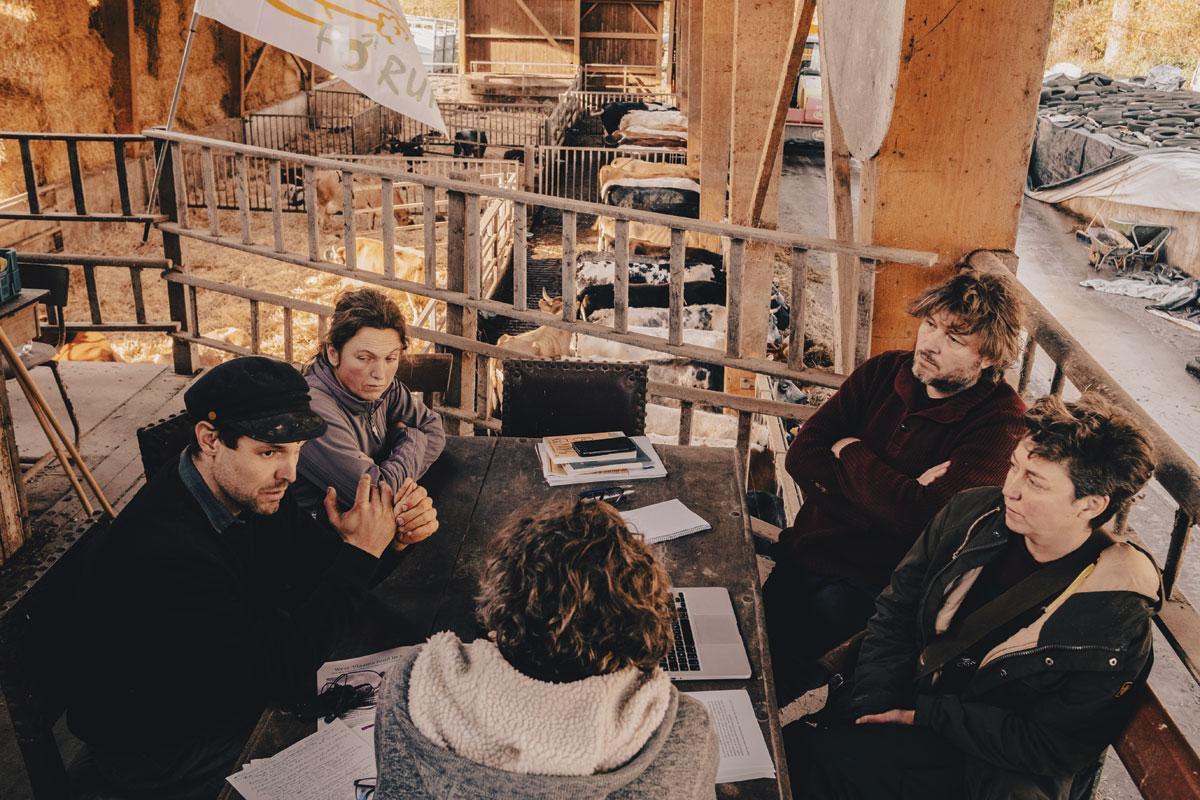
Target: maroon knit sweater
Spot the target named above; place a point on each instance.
(863, 511)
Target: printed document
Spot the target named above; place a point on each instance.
(325, 765)
(662, 522)
(744, 754)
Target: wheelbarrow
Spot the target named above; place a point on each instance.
(1127, 246)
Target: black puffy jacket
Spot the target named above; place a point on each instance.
(1045, 702)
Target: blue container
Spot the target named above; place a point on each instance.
(10, 275)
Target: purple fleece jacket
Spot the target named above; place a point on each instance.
(363, 436)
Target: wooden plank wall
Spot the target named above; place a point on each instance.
(621, 33)
(500, 30)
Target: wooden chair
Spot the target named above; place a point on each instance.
(426, 373)
(35, 354)
(161, 442)
(552, 398)
(36, 603)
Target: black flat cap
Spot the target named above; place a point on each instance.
(257, 397)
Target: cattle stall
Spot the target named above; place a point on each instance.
(573, 172)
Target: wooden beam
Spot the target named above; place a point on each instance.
(844, 268)
(683, 40)
(591, 6)
(760, 44)
(646, 19)
(116, 25)
(616, 35)
(950, 174)
(786, 82)
(537, 23)
(462, 39)
(230, 42)
(256, 60)
(715, 124)
(695, 45)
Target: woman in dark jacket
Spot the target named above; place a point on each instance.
(1021, 707)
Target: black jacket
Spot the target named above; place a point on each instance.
(1044, 703)
(187, 632)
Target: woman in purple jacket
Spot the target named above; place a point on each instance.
(375, 424)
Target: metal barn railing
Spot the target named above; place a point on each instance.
(574, 172)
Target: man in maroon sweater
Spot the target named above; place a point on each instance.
(905, 433)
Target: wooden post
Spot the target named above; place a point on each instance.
(762, 29)
(684, 21)
(461, 251)
(182, 352)
(117, 29)
(14, 513)
(718, 88)
(845, 267)
(695, 81)
(231, 45)
(950, 173)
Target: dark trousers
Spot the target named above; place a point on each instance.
(807, 616)
(873, 762)
(192, 771)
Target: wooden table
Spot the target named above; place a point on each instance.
(477, 483)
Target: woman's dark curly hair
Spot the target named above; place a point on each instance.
(1106, 452)
(569, 592)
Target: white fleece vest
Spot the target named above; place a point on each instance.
(470, 700)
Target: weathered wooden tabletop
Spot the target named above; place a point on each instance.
(479, 482)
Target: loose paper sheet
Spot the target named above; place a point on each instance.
(319, 767)
(371, 670)
(744, 754)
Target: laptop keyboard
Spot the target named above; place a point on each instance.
(683, 656)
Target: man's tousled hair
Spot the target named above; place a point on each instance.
(1106, 452)
(569, 592)
(987, 304)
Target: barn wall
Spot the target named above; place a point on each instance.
(500, 30)
(621, 20)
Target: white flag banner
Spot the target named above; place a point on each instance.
(367, 43)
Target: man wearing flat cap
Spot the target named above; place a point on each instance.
(212, 595)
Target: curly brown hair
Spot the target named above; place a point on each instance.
(569, 592)
(363, 308)
(1106, 451)
(984, 303)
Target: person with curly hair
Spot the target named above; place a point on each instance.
(1010, 648)
(565, 697)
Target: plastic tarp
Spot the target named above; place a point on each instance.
(1069, 162)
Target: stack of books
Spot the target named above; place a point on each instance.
(562, 466)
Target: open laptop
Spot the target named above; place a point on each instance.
(707, 643)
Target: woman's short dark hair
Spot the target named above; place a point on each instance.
(984, 303)
(1106, 452)
(569, 592)
(364, 308)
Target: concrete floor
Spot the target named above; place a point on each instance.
(1144, 353)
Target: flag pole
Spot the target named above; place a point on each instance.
(162, 154)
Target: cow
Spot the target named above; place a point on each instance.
(612, 114)
(368, 256)
(647, 295)
(515, 154)
(601, 270)
(705, 317)
(396, 146)
(541, 342)
(470, 143)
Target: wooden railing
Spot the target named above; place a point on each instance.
(464, 289)
(120, 144)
